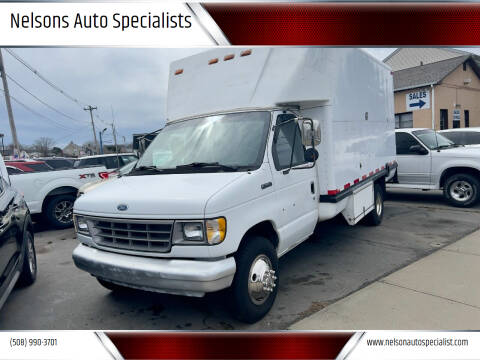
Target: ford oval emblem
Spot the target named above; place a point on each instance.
(122, 207)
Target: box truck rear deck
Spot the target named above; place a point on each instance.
(260, 145)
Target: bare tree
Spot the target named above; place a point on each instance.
(43, 145)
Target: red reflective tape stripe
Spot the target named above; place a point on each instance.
(332, 192)
(356, 181)
(346, 186)
(383, 167)
(377, 170)
(364, 177)
(371, 173)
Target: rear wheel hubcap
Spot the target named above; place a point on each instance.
(64, 211)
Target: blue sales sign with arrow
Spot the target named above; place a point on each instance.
(418, 100)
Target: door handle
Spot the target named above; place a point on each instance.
(266, 185)
(312, 187)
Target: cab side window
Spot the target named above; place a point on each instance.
(287, 137)
(404, 141)
(111, 162)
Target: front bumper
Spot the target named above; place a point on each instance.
(173, 276)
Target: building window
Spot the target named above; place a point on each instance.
(443, 119)
(467, 118)
(404, 120)
(456, 119)
(464, 66)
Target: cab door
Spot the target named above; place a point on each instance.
(414, 160)
(296, 188)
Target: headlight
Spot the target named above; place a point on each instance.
(193, 231)
(216, 230)
(188, 233)
(81, 225)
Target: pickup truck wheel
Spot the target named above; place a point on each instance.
(112, 286)
(59, 211)
(255, 284)
(461, 190)
(29, 267)
(376, 215)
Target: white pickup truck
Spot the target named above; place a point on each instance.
(429, 161)
(52, 193)
(260, 145)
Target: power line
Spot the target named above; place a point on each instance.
(37, 113)
(40, 100)
(40, 76)
(87, 127)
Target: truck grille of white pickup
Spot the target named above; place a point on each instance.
(134, 235)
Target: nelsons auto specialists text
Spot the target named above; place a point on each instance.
(164, 20)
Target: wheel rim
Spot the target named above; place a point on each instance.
(32, 263)
(261, 280)
(64, 211)
(378, 204)
(461, 190)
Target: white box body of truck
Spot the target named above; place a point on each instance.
(260, 145)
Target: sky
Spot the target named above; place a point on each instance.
(132, 82)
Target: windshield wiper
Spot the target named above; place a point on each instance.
(147, 169)
(444, 146)
(194, 165)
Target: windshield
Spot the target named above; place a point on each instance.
(432, 139)
(212, 143)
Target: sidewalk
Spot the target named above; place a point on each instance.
(440, 291)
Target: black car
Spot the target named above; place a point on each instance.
(18, 262)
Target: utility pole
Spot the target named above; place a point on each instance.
(91, 108)
(16, 145)
(114, 132)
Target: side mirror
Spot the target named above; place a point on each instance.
(310, 132)
(418, 149)
(311, 155)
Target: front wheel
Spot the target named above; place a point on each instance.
(29, 268)
(59, 211)
(255, 284)
(461, 190)
(375, 216)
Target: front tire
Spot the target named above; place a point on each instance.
(461, 190)
(255, 284)
(375, 216)
(59, 211)
(29, 267)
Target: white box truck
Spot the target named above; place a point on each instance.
(260, 145)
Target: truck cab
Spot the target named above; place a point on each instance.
(427, 160)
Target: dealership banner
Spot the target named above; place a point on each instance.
(281, 345)
(177, 24)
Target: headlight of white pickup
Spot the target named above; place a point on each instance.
(81, 225)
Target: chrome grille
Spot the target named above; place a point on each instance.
(134, 235)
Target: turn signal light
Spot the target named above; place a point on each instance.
(179, 71)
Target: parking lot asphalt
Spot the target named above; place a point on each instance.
(334, 263)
